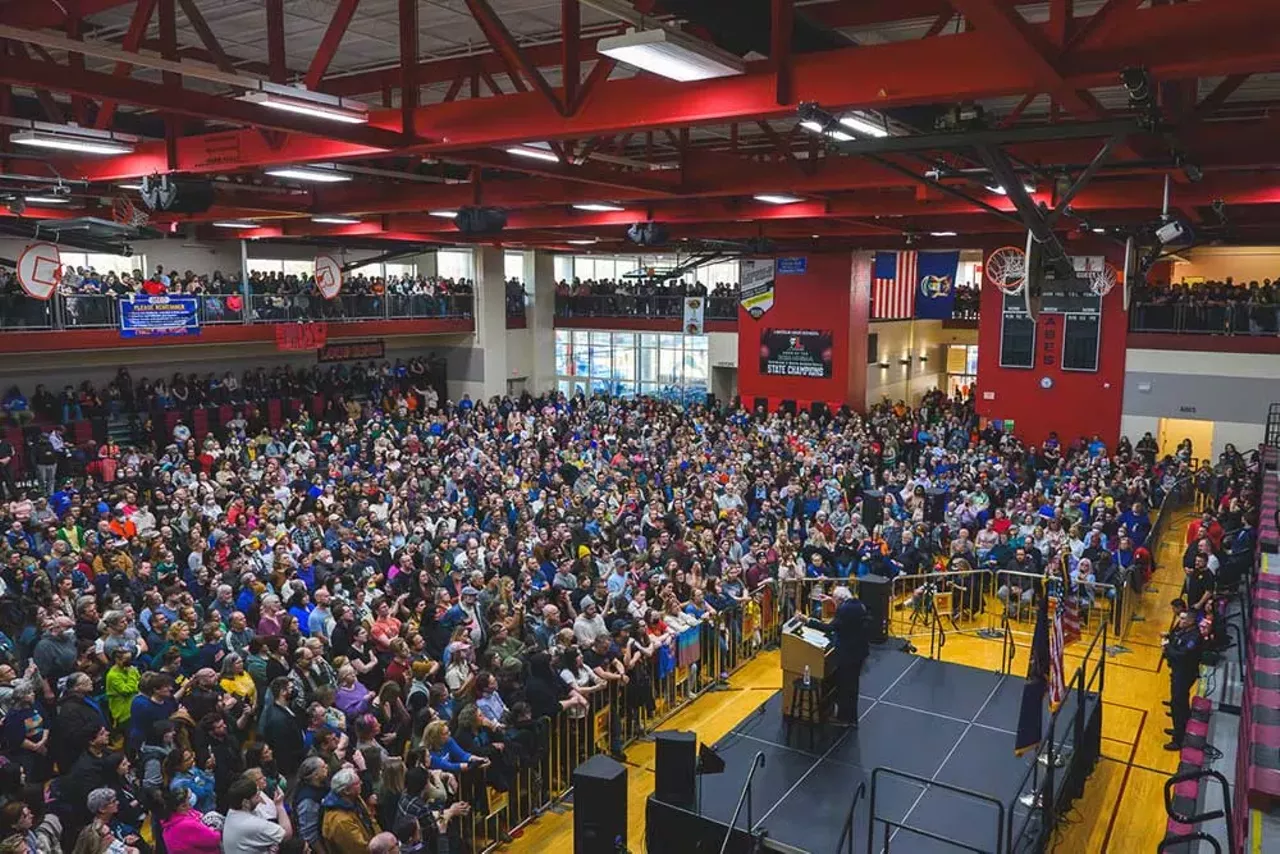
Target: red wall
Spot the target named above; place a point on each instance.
(1079, 403)
(833, 295)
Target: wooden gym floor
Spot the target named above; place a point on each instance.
(1122, 808)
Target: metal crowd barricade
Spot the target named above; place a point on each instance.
(19, 311)
(963, 599)
(618, 715)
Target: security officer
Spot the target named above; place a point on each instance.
(848, 629)
(1182, 651)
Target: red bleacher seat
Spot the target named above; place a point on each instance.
(225, 414)
(275, 416)
(199, 423)
(81, 431)
(317, 405)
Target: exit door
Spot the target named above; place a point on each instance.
(1174, 430)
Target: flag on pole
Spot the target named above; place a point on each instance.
(1057, 678)
(1070, 619)
(893, 285)
(1031, 713)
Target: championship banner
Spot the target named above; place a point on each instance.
(694, 309)
(328, 276)
(796, 353)
(40, 270)
(301, 336)
(144, 316)
(756, 277)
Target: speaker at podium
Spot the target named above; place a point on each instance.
(804, 647)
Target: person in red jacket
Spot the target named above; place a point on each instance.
(1205, 526)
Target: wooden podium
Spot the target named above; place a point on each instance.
(809, 647)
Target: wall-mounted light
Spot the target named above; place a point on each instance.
(884, 365)
(923, 357)
(905, 360)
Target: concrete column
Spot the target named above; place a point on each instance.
(491, 318)
(426, 262)
(539, 282)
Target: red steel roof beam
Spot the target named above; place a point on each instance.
(513, 58)
(338, 23)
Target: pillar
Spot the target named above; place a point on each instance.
(491, 319)
(426, 263)
(539, 279)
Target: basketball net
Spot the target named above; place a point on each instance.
(126, 213)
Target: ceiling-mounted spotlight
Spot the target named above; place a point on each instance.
(1137, 83)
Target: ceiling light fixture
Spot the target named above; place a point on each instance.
(777, 198)
(670, 54)
(443, 214)
(1098, 230)
(996, 188)
(534, 153)
(71, 138)
(598, 207)
(130, 186)
(312, 174)
(312, 104)
(582, 242)
(837, 135)
(235, 224)
(47, 200)
(865, 127)
(335, 220)
(942, 234)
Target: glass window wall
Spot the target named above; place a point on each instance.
(624, 364)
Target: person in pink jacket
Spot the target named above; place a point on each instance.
(181, 827)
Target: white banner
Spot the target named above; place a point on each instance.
(756, 276)
(328, 276)
(694, 311)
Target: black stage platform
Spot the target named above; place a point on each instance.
(944, 724)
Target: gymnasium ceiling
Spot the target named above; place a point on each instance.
(452, 84)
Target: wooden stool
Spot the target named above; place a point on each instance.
(806, 706)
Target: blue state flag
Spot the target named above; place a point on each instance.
(936, 285)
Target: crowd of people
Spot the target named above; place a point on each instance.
(341, 634)
(1215, 307)
(647, 297)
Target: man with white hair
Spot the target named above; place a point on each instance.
(848, 630)
(348, 825)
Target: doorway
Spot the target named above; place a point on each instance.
(1174, 430)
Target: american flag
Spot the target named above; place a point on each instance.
(1070, 619)
(1057, 678)
(893, 290)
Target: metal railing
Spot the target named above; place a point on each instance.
(628, 305)
(19, 312)
(1209, 319)
(681, 670)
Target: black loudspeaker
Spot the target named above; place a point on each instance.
(599, 806)
(818, 409)
(874, 592)
(760, 404)
(935, 505)
(675, 764)
(180, 195)
(788, 407)
(480, 221)
(648, 234)
(872, 508)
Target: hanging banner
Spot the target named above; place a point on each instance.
(301, 336)
(756, 276)
(144, 316)
(352, 351)
(796, 353)
(40, 270)
(793, 266)
(694, 309)
(328, 276)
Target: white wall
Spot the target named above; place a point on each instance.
(899, 339)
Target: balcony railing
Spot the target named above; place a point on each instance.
(1212, 319)
(94, 311)
(656, 307)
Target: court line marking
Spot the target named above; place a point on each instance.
(836, 743)
(945, 760)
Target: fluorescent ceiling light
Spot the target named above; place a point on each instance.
(235, 224)
(343, 111)
(47, 200)
(317, 175)
(130, 186)
(81, 143)
(838, 135)
(335, 220)
(996, 188)
(444, 214)
(597, 207)
(865, 127)
(534, 153)
(671, 55)
(776, 198)
(582, 242)
(942, 234)
(1099, 230)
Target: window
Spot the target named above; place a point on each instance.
(513, 265)
(562, 268)
(399, 270)
(722, 273)
(455, 264)
(623, 364)
(103, 263)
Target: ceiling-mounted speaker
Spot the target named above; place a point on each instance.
(177, 195)
(648, 234)
(478, 221)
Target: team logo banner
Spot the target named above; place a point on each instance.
(936, 285)
(145, 316)
(795, 353)
(756, 277)
(694, 310)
